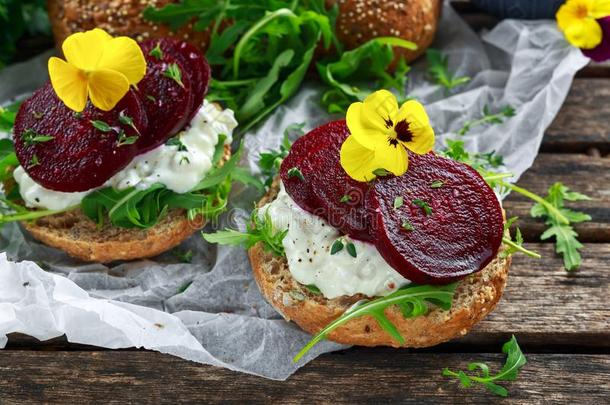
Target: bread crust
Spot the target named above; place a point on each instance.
(475, 296)
(80, 237)
(117, 17)
(362, 20)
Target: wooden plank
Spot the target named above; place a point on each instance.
(582, 122)
(586, 174)
(361, 375)
(545, 306)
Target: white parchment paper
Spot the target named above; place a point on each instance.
(211, 311)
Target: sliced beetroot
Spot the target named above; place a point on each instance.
(79, 157)
(327, 190)
(167, 102)
(194, 63)
(459, 236)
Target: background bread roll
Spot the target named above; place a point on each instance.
(362, 20)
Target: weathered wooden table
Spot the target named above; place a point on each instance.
(562, 321)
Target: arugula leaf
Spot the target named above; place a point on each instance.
(488, 118)
(7, 118)
(262, 51)
(271, 161)
(515, 360)
(514, 246)
(566, 242)
(8, 159)
(438, 70)
(366, 64)
(260, 229)
(412, 300)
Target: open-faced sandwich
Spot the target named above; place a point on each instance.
(119, 156)
(368, 237)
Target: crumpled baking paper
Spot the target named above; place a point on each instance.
(211, 311)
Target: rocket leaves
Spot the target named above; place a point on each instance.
(412, 301)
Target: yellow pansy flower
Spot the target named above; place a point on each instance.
(381, 133)
(577, 19)
(97, 66)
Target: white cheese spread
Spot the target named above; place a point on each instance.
(308, 244)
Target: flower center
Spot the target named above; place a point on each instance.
(403, 133)
(582, 11)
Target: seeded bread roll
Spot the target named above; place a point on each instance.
(118, 18)
(475, 296)
(362, 20)
(80, 237)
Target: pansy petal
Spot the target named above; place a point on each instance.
(600, 9)
(394, 159)
(585, 33)
(358, 161)
(601, 52)
(84, 49)
(107, 88)
(367, 136)
(124, 55)
(422, 135)
(69, 83)
(379, 110)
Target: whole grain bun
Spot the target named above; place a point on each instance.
(80, 237)
(362, 20)
(118, 18)
(475, 296)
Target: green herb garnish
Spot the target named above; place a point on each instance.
(345, 199)
(33, 162)
(351, 249)
(488, 118)
(260, 229)
(173, 72)
(381, 172)
(175, 141)
(31, 137)
(157, 52)
(313, 289)
(407, 226)
(515, 360)
(438, 70)
(437, 184)
(398, 202)
(336, 247)
(516, 245)
(412, 301)
(295, 172)
(101, 126)
(423, 205)
(566, 243)
(184, 256)
(127, 120)
(123, 139)
(270, 162)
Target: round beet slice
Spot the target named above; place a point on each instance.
(450, 223)
(193, 61)
(64, 151)
(167, 95)
(327, 190)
